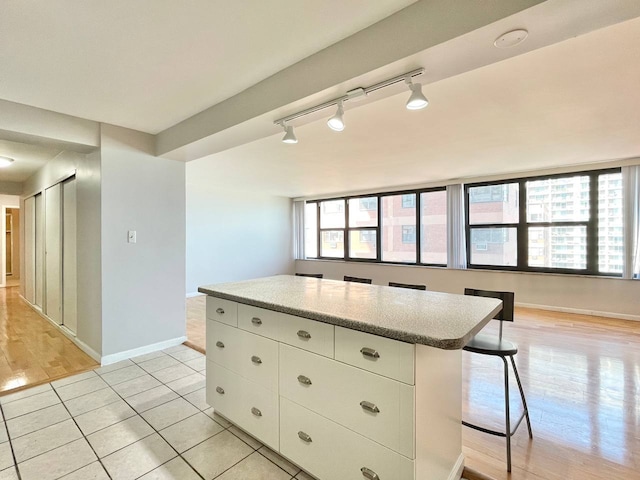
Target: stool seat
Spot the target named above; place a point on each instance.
(491, 345)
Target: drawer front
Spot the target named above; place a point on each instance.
(250, 356)
(259, 321)
(377, 407)
(248, 405)
(380, 355)
(332, 452)
(224, 391)
(307, 334)
(224, 311)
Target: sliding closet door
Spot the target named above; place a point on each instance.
(69, 298)
(39, 253)
(53, 253)
(29, 275)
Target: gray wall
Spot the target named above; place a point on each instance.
(87, 168)
(142, 283)
(234, 235)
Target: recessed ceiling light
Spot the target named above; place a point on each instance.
(5, 162)
(511, 39)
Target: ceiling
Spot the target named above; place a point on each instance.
(571, 103)
(147, 65)
(28, 159)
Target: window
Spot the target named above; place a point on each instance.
(379, 228)
(408, 201)
(408, 234)
(570, 223)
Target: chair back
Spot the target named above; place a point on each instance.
(504, 315)
(313, 275)
(408, 285)
(347, 278)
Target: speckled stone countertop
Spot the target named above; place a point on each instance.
(439, 320)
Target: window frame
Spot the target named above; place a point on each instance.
(378, 228)
(523, 225)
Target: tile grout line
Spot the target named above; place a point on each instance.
(85, 439)
(13, 453)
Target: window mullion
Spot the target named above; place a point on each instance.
(522, 232)
(592, 225)
(346, 231)
(418, 228)
(379, 230)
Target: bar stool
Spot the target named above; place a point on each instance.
(408, 285)
(497, 346)
(347, 278)
(313, 275)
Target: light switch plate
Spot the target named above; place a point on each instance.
(131, 236)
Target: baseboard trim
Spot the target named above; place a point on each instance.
(579, 311)
(195, 294)
(458, 468)
(118, 357)
(65, 331)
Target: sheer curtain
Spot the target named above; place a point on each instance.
(631, 195)
(456, 245)
(298, 230)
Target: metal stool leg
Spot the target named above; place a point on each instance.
(507, 416)
(524, 402)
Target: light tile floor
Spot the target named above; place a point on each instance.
(144, 418)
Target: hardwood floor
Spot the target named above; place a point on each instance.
(581, 376)
(33, 351)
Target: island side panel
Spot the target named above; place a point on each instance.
(438, 414)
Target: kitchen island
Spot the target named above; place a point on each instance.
(345, 380)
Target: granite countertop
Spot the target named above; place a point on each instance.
(440, 320)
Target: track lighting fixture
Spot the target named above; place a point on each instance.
(416, 101)
(336, 123)
(289, 134)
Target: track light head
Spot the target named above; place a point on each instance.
(336, 123)
(417, 100)
(289, 134)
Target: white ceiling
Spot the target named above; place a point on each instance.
(147, 64)
(28, 159)
(571, 103)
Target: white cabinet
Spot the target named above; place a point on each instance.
(341, 404)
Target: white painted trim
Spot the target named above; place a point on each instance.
(195, 294)
(458, 468)
(66, 332)
(553, 308)
(117, 357)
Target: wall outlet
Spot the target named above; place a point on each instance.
(131, 236)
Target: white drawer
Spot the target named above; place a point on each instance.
(250, 356)
(307, 334)
(381, 355)
(333, 452)
(224, 311)
(259, 321)
(248, 405)
(377, 407)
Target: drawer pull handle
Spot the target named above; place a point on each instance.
(220, 311)
(219, 344)
(256, 412)
(304, 334)
(304, 380)
(370, 474)
(369, 352)
(256, 321)
(304, 437)
(369, 407)
(220, 390)
(256, 360)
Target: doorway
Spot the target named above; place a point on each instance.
(11, 254)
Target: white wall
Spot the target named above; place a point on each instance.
(234, 235)
(87, 170)
(590, 295)
(142, 283)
